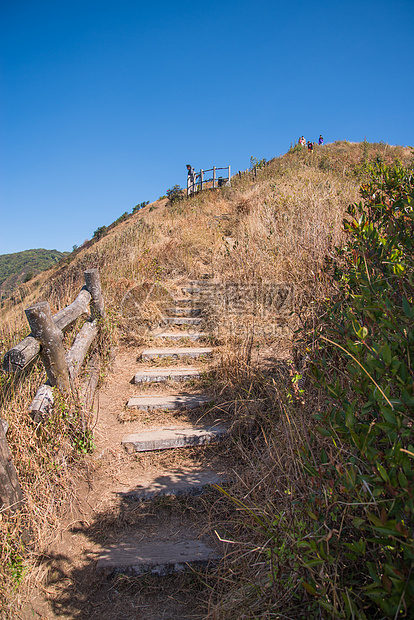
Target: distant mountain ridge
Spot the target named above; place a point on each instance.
(22, 266)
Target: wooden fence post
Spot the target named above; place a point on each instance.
(93, 285)
(201, 179)
(79, 349)
(25, 351)
(41, 406)
(50, 337)
(10, 492)
(90, 382)
(214, 177)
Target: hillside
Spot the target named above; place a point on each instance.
(20, 267)
(308, 504)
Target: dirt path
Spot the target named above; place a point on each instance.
(105, 513)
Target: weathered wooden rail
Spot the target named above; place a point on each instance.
(21, 355)
(201, 180)
(10, 492)
(62, 368)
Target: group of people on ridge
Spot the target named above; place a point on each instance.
(310, 145)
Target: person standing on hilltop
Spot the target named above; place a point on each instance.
(190, 180)
(310, 147)
(320, 140)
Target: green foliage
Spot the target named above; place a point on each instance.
(71, 421)
(360, 556)
(28, 276)
(121, 218)
(29, 261)
(175, 194)
(100, 232)
(84, 441)
(257, 163)
(370, 158)
(15, 560)
(296, 148)
(140, 206)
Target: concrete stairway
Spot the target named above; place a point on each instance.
(165, 555)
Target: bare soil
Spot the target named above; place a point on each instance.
(102, 511)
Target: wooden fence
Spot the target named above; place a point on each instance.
(62, 368)
(201, 180)
(10, 492)
(252, 172)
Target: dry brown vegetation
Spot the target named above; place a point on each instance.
(279, 228)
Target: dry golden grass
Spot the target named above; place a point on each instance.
(278, 228)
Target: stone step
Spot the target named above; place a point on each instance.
(158, 375)
(179, 320)
(196, 290)
(167, 438)
(156, 558)
(181, 482)
(179, 335)
(189, 302)
(183, 311)
(177, 401)
(202, 283)
(176, 353)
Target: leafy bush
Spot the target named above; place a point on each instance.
(140, 206)
(175, 194)
(359, 558)
(257, 163)
(121, 218)
(295, 148)
(100, 232)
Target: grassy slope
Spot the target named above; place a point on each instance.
(281, 227)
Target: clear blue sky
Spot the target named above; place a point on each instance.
(104, 103)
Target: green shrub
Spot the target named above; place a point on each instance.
(175, 194)
(257, 163)
(140, 206)
(360, 557)
(296, 148)
(100, 232)
(121, 218)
